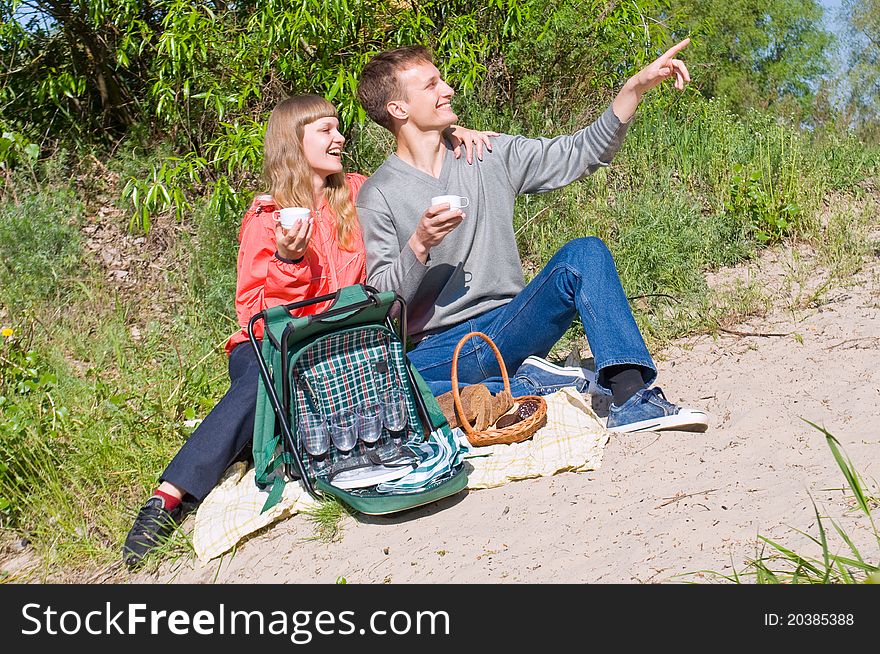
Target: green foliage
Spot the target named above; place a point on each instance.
(862, 18)
(768, 213)
(39, 247)
(103, 429)
(29, 415)
(238, 148)
(16, 149)
(755, 53)
(769, 192)
(195, 65)
(566, 58)
(163, 190)
(752, 168)
(846, 159)
(210, 278)
(74, 67)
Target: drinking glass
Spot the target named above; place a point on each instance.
(313, 433)
(394, 410)
(369, 422)
(343, 429)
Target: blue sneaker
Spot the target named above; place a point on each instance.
(649, 410)
(548, 378)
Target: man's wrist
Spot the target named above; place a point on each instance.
(627, 100)
(419, 249)
(635, 86)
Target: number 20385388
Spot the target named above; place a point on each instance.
(808, 619)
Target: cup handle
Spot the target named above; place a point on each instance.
(467, 202)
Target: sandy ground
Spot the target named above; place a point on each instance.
(663, 507)
(666, 507)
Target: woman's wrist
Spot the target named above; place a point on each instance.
(286, 257)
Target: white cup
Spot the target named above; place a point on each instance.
(454, 201)
(290, 216)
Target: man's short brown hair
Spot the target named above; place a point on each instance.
(379, 83)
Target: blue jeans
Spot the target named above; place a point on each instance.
(581, 279)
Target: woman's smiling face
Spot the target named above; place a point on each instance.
(322, 146)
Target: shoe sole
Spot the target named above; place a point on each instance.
(583, 373)
(694, 421)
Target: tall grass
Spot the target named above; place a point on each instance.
(101, 407)
(95, 390)
(39, 248)
(778, 564)
(695, 188)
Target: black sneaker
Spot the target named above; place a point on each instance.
(153, 524)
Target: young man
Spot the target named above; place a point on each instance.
(460, 272)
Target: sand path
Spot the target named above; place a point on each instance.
(661, 505)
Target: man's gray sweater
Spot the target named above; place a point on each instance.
(477, 267)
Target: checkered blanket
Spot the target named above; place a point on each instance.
(573, 440)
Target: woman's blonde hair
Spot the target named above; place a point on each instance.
(287, 172)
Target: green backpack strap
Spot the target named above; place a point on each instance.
(438, 420)
(268, 466)
(275, 493)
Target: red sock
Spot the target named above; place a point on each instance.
(171, 502)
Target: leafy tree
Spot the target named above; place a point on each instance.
(567, 58)
(185, 67)
(205, 75)
(72, 65)
(862, 102)
(755, 53)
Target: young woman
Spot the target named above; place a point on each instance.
(302, 165)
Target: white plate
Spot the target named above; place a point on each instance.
(369, 476)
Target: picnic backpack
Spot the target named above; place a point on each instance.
(341, 409)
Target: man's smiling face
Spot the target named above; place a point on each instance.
(429, 98)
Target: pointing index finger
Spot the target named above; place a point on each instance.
(678, 47)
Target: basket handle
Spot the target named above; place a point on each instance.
(456, 397)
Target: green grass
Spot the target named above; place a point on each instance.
(105, 379)
(39, 248)
(326, 517)
(91, 414)
(837, 562)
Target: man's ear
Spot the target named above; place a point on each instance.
(397, 109)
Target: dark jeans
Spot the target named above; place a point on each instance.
(225, 432)
(580, 280)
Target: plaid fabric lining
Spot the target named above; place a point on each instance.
(339, 372)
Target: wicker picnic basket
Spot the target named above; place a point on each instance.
(514, 433)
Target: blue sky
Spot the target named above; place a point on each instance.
(831, 7)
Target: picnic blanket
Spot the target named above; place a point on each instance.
(573, 440)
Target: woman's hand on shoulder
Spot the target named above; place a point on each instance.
(471, 139)
(292, 243)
